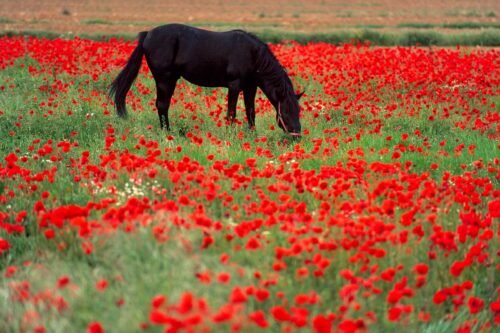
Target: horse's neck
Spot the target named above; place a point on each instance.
(270, 93)
(273, 87)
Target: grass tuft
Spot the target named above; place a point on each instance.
(97, 21)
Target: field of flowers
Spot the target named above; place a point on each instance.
(384, 216)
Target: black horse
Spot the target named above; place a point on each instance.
(235, 59)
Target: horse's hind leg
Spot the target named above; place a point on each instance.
(249, 97)
(232, 99)
(164, 90)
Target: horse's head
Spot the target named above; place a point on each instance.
(287, 114)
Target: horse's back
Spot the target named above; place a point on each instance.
(196, 39)
(203, 57)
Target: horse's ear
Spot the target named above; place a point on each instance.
(299, 95)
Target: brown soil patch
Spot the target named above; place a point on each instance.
(127, 16)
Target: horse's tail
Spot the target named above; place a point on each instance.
(121, 85)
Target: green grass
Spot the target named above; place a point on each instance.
(168, 267)
(97, 21)
(454, 25)
(417, 25)
(220, 26)
(406, 38)
(470, 13)
(471, 25)
(6, 20)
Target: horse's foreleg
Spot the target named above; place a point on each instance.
(164, 90)
(249, 97)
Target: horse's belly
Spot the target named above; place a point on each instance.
(206, 81)
(207, 76)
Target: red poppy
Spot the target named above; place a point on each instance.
(259, 318)
(95, 327)
(475, 304)
(280, 314)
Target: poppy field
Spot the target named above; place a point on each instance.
(384, 216)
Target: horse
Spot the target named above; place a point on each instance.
(234, 59)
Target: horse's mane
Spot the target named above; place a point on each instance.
(270, 68)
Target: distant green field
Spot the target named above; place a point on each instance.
(418, 34)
